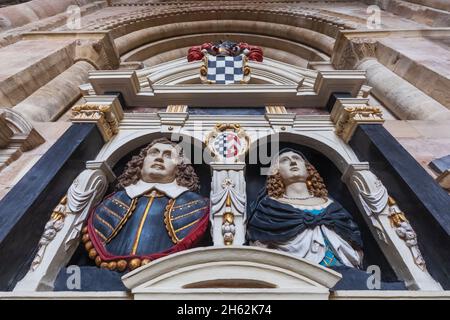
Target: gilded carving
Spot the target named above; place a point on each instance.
(350, 117)
(101, 114)
(405, 232)
(52, 227)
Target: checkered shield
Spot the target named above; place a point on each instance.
(227, 144)
(225, 69)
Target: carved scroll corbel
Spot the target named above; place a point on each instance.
(87, 190)
(373, 197)
(60, 238)
(388, 223)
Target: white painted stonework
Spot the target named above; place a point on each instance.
(228, 181)
(86, 191)
(371, 198)
(231, 273)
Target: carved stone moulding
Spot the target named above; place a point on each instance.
(300, 95)
(279, 118)
(16, 136)
(218, 271)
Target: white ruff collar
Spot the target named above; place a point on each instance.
(171, 189)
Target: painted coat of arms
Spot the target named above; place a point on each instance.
(228, 142)
(225, 62)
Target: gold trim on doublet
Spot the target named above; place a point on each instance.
(141, 225)
(124, 219)
(168, 221)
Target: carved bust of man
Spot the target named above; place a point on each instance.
(294, 214)
(156, 213)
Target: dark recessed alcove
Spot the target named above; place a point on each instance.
(337, 190)
(80, 257)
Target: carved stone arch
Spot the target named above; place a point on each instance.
(308, 19)
(126, 142)
(177, 71)
(223, 272)
(371, 198)
(324, 142)
(285, 50)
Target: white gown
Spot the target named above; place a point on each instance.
(310, 244)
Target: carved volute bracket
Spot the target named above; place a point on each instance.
(390, 227)
(62, 232)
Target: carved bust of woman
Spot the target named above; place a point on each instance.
(294, 214)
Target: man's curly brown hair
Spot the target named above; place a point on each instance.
(314, 182)
(185, 175)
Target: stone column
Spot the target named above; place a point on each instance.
(400, 97)
(53, 99)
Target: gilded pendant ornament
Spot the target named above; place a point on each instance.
(405, 232)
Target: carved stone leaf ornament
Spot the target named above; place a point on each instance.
(405, 232)
(52, 227)
(102, 115)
